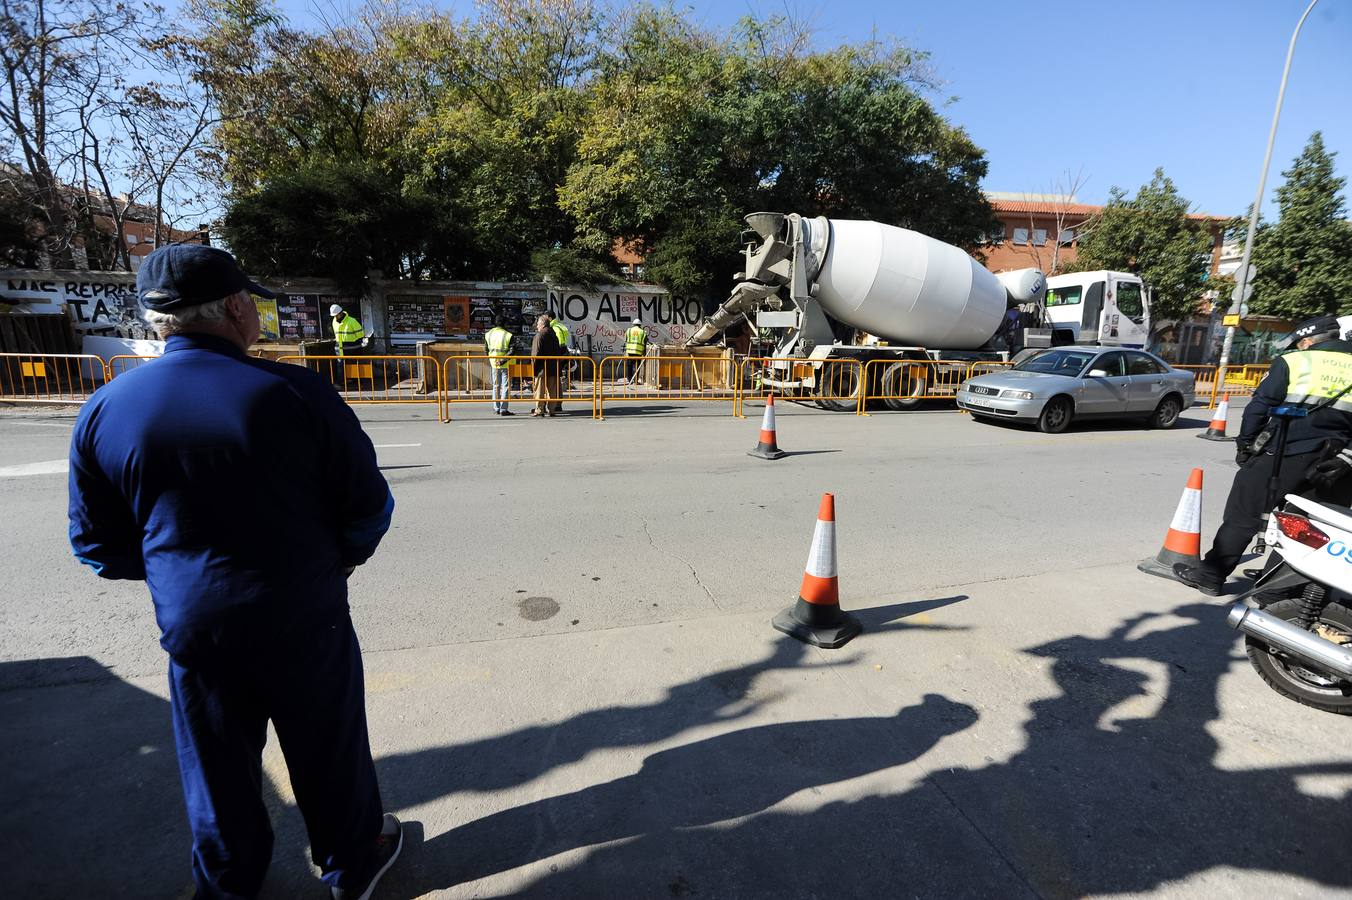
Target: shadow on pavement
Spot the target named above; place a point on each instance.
(1115, 790)
(92, 804)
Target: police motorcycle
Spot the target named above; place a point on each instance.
(1297, 615)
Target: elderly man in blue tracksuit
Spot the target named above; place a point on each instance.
(243, 492)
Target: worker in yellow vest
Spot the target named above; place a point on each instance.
(562, 333)
(635, 348)
(347, 331)
(498, 341)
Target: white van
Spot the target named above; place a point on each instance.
(1107, 308)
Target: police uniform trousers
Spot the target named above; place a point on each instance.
(1245, 507)
(308, 681)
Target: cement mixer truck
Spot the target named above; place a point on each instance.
(827, 289)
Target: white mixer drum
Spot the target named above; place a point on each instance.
(908, 288)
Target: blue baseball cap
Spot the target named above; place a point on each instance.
(183, 275)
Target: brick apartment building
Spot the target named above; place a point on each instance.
(1042, 231)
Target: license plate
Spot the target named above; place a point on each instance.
(982, 403)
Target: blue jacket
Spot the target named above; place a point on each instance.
(238, 489)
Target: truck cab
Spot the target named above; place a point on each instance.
(1111, 309)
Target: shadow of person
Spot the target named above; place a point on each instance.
(520, 756)
(93, 804)
(721, 778)
(1116, 790)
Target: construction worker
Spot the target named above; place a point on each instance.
(499, 344)
(347, 331)
(168, 468)
(1318, 453)
(562, 333)
(635, 348)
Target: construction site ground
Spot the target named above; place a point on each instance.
(574, 689)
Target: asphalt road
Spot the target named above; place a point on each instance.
(574, 690)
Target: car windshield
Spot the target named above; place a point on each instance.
(1056, 362)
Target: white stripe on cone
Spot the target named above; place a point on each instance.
(768, 423)
(1188, 516)
(821, 560)
(1222, 414)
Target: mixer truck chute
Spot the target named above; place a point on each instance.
(846, 289)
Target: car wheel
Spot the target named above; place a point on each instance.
(1056, 416)
(1167, 413)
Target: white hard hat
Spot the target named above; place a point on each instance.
(335, 309)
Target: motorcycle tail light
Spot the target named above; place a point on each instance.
(1301, 530)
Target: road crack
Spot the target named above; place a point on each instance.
(693, 572)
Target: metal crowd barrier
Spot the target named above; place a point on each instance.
(468, 379)
(666, 378)
(377, 379)
(120, 365)
(50, 377)
(834, 384)
(900, 384)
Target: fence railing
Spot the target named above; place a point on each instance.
(685, 378)
(50, 377)
(1240, 381)
(377, 379)
(902, 384)
(834, 384)
(119, 365)
(569, 380)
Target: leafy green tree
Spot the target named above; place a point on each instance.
(1304, 260)
(1151, 235)
(685, 133)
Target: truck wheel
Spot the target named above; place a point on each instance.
(843, 387)
(903, 386)
(1290, 677)
(1056, 416)
(1166, 414)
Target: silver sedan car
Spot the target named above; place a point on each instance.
(1055, 386)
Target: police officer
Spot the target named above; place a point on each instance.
(243, 493)
(635, 347)
(1317, 458)
(498, 342)
(347, 330)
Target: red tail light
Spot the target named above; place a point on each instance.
(1301, 530)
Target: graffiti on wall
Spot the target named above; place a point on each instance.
(98, 303)
(600, 318)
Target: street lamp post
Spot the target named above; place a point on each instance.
(1244, 274)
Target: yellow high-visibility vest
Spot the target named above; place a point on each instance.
(561, 332)
(635, 341)
(348, 331)
(1317, 375)
(499, 341)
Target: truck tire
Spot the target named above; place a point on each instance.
(846, 385)
(1292, 679)
(1056, 416)
(904, 386)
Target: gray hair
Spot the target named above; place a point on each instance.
(190, 318)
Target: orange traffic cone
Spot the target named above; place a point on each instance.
(816, 617)
(1216, 430)
(767, 448)
(1183, 542)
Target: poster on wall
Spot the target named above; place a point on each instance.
(268, 326)
(298, 318)
(456, 316)
(598, 319)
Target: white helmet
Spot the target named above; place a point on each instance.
(335, 309)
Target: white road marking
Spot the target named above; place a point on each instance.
(66, 425)
(50, 467)
(383, 446)
(490, 424)
(382, 427)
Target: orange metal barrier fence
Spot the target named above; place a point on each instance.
(50, 377)
(902, 384)
(377, 379)
(834, 384)
(569, 379)
(1240, 381)
(119, 365)
(667, 378)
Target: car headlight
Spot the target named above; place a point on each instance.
(1017, 395)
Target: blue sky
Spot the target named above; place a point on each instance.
(1114, 89)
